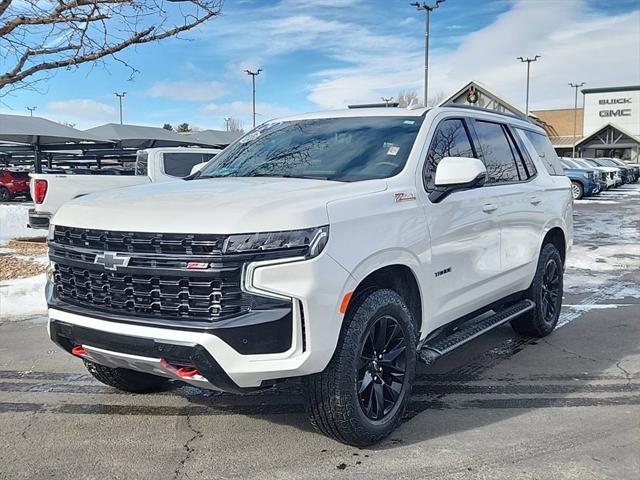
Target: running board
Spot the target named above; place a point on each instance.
(439, 346)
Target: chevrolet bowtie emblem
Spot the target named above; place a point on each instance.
(111, 260)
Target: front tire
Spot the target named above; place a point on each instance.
(577, 190)
(546, 292)
(361, 396)
(5, 194)
(125, 379)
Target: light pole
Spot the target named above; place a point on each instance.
(386, 101)
(253, 82)
(575, 86)
(31, 109)
(120, 97)
(427, 10)
(528, 60)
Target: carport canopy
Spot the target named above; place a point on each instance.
(139, 136)
(215, 137)
(40, 132)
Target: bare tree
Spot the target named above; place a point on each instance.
(234, 125)
(406, 98)
(436, 99)
(37, 37)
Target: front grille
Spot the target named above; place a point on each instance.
(168, 296)
(135, 242)
(156, 282)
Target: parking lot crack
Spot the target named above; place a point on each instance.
(570, 352)
(626, 373)
(187, 447)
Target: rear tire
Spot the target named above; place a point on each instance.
(361, 396)
(125, 379)
(577, 191)
(546, 292)
(5, 194)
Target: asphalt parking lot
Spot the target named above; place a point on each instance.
(564, 407)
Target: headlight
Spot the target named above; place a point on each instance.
(310, 241)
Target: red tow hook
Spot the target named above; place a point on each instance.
(78, 351)
(186, 372)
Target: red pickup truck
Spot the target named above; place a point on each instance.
(13, 184)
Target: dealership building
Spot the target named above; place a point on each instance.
(607, 126)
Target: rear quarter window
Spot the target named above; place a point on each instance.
(545, 151)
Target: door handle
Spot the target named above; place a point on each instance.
(535, 201)
(489, 207)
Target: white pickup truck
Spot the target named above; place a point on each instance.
(51, 190)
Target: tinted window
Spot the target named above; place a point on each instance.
(497, 153)
(449, 140)
(545, 151)
(141, 162)
(179, 164)
(342, 149)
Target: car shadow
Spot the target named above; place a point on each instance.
(576, 366)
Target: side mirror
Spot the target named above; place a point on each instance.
(457, 173)
(197, 167)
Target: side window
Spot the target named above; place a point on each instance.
(449, 140)
(546, 152)
(497, 154)
(525, 165)
(179, 164)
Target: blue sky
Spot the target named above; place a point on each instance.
(325, 54)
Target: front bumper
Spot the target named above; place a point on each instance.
(245, 352)
(39, 220)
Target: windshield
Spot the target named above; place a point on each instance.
(569, 163)
(340, 149)
(605, 162)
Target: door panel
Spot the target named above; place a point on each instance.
(465, 253)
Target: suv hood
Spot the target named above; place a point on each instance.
(216, 205)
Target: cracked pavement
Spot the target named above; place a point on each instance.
(501, 407)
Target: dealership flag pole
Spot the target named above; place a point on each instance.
(576, 86)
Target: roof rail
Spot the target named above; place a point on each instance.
(488, 110)
(374, 105)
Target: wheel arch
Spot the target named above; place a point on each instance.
(557, 237)
(397, 277)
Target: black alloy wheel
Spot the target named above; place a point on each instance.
(550, 290)
(382, 367)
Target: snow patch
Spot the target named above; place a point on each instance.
(22, 298)
(13, 223)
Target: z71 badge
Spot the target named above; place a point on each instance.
(403, 197)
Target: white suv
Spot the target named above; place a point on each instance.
(339, 247)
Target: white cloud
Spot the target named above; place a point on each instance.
(188, 90)
(587, 47)
(81, 112)
(244, 111)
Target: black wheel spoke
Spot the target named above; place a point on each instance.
(381, 367)
(550, 290)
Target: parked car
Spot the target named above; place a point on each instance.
(634, 170)
(607, 162)
(339, 247)
(51, 190)
(601, 173)
(13, 184)
(584, 181)
(614, 173)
